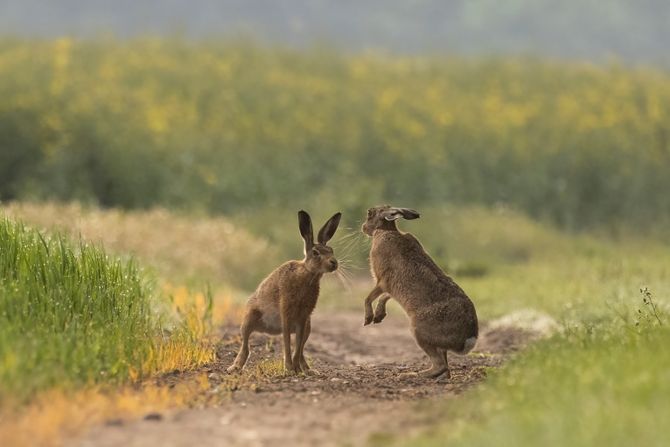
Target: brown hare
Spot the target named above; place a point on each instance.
(442, 317)
(284, 301)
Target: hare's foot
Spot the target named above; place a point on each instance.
(431, 373)
(233, 369)
(297, 367)
(307, 369)
(310, 371)
(444, 378)
(435, 372)
(240, 359)
(239, 362)
(291, 368)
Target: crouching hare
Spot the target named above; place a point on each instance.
(284, 301)
(442, 317)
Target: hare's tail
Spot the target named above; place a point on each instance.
(468, 345)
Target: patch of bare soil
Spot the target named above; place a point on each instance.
(357, 395)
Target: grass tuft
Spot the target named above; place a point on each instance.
(70, 315)
(603, 382)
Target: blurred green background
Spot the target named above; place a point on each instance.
(475, 108)
(231, 128)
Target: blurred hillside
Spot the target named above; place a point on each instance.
(633, 30)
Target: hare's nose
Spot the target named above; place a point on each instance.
(333, 263)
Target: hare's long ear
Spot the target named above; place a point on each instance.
(329, 228)
(305, 224)
(397, 213)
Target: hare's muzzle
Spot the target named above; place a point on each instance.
(332, 265)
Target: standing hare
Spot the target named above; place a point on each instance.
(441, 315)
(284, 301)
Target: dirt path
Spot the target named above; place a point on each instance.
(357, 395)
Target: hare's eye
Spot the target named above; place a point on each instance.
(315, 252)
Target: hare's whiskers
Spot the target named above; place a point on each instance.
(346, 282)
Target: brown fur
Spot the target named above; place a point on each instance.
(442, 317)
(284, 301)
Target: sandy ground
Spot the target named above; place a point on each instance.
(357, 396)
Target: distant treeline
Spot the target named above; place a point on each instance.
(228, 127)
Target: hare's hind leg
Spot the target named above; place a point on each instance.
(303, 363)
(293, 364)
(301, 334)
(245, 330)
(447, 373)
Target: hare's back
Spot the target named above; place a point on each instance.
(271, 286)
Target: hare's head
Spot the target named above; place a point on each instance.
(319, 257)
(383, 218)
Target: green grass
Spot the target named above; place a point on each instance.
(602, 383)
(69, 314)
(574, 286)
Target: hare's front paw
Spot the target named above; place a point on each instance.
(378, 317)
(233, 369)
(368, 319)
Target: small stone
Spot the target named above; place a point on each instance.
(114, 422)
(157, 417)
